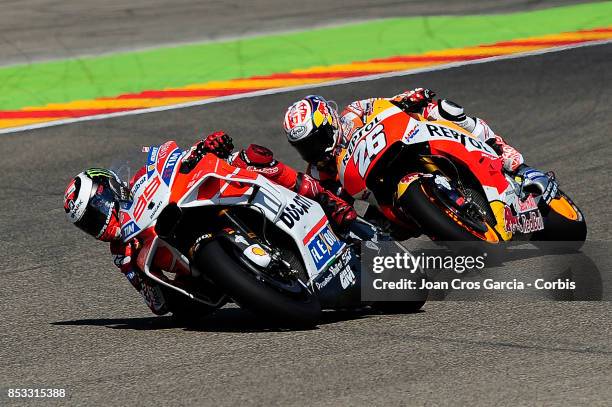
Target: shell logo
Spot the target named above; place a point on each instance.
(258, 251)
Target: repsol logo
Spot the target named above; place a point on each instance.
(460, 137)
(350, 148)
(294, 211)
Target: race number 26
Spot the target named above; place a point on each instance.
(373, 143)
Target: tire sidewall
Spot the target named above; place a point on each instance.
(430, 218)
(252, 294)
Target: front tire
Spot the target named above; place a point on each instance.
(437, 221)
(254, 294)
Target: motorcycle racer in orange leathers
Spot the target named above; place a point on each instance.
(314, 128)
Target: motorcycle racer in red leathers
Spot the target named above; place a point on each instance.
(91, 203)
(93, 197)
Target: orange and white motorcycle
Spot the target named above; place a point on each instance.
(434, 178)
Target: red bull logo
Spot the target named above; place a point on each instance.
(524, 222)
(527, 205)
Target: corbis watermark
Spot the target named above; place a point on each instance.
(473, 271)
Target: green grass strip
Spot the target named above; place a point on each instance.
(110, 75)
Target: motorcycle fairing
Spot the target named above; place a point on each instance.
(322, 243)
(340, 285)
(215, 182)
(145, 260)
(150, 197)
(388, 125)
(365, 148)
(220, 183)
(483, 162)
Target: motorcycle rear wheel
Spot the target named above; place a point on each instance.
(254, 294)
(565, 223)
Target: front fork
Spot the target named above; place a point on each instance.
(399, 212)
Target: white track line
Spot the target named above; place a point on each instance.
(302, 87)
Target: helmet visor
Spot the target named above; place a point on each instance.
(99, 210)
(313, 147)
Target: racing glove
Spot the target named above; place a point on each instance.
(538, 183)
(219, 143)
(195, 153)
(340, 211)
(415, 100)
(124, 253)
(124, 256)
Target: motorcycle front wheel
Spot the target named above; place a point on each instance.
(295, 306)
(439, 221)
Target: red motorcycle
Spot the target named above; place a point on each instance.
(232, 234)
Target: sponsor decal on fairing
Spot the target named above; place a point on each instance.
(170, 164)
(342, 267)
(139, 183)
(527, 205)
(526, 222)
(471, 143)
(163, 150)
(129, 229)
(151, 159)
(323, 246)
(413, 132)
(294, 211)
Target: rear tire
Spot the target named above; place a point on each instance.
(253, 294)
(567, 233)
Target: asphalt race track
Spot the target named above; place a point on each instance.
(70, 320)
(32, 30)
